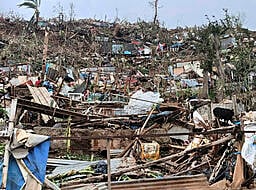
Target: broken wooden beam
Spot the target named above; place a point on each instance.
(47, 110)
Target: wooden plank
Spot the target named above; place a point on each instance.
(42, 93)
(41, 96)
(7, 153)
(61, 113)
(48, 98)
(34, 95)
(38, 98)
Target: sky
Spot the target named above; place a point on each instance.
(172, 13)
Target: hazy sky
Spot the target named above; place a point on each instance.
(172, 13)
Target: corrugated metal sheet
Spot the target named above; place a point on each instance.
(173, 183)
(195, 182)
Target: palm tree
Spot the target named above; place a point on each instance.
(32, 4)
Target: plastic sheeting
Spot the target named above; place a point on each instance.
(15, 179)
(66, 89)
(35, 161)
(248, 151)
(199, 121)
(189, 82)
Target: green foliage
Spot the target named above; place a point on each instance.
(242, 56)
(3, 112)
(84, 157)
(28, 5)
(212, 94)
(207, 42)
(144, 70)
(124, 177)
(186, 93)
(206, 38)
(32, 4)
(88, 171)
(2, 149)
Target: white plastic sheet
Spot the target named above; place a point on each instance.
(248, 151)
(198, 120)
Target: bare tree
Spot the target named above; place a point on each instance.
(116, 19)
(154, 4)
(71, 12)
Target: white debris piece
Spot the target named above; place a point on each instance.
(141, 102)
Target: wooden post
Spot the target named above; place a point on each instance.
(234, 105)
(210, 115)
(4, 94)
(140, 130)
(108, 162)
(46, 39)
(59, 89)
(69, 129)
(6, 153)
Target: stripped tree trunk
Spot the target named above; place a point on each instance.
(205, 90)
(221, 73)
(156, 11)
(46, 39)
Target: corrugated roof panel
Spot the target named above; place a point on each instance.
(173, 183)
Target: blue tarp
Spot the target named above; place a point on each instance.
(35, 161)
(15, 179)
(176, 45)
(189, 82)
(47, 66)
(126, 52)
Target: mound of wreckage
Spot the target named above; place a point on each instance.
(144, 140)
(146, 137)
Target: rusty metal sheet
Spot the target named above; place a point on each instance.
(173, 183)
(195, 182)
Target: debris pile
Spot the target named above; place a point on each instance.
(127, 93)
